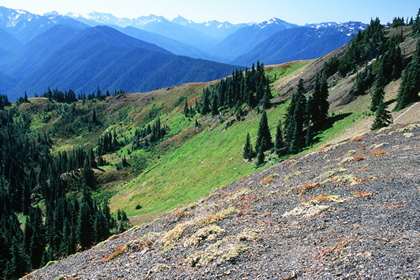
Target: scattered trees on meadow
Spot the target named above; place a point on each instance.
(304, 117)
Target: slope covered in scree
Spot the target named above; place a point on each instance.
(343, 211)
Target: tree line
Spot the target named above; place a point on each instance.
(250, 87)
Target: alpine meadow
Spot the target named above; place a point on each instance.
(151, 148)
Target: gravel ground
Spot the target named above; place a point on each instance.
(346, 211)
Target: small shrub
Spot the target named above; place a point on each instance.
(248, 234)
(392, 206)
(346, 160)
(319, 198)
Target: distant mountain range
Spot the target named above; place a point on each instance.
(82, 52)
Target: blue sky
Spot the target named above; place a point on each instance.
(235, 11)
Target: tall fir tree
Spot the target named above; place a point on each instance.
(296, 119)
(378, 94)
(383, 117)
(263, 142)
(279, 144)
(323, 104)
(248, 152)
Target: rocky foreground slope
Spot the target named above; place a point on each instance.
(345, 211)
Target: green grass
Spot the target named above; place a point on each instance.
(345, 119)
(210, 159)
(191, 161)
(278, 71)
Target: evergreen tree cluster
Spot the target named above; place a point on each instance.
(107, 143)
(416, 25)
(410, 85)
(188, 112)
(70, 119)
(397, 21)
(4, 101)
(71, 97)
(389, 66)
(151, 134)
(250, 87)
(61, 97)
(29, 175)
(364, 47)
(304, 117)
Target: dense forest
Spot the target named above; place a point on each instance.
(48, 209)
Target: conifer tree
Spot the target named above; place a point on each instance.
(296, 118)
(416, 25)
(248, 152)
(383, 117)
(410, 85)
(263, 142)
(323, 103)
(378, 94)
(260, 158)
(279, 142)
(186, 111)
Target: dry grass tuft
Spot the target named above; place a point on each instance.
(220, 215)
(359, 157)
(362, 194)
(357, 139)
(207, 233)
(170, 238)
(305, 187)
(377, 152)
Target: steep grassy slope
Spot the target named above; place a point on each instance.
(192, 160)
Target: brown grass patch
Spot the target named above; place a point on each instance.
(293, 164)
(362, 194)
(359, 157)
(305, 187)
(267, 181)
(357, 139)
(392, 206)
(377, 152)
